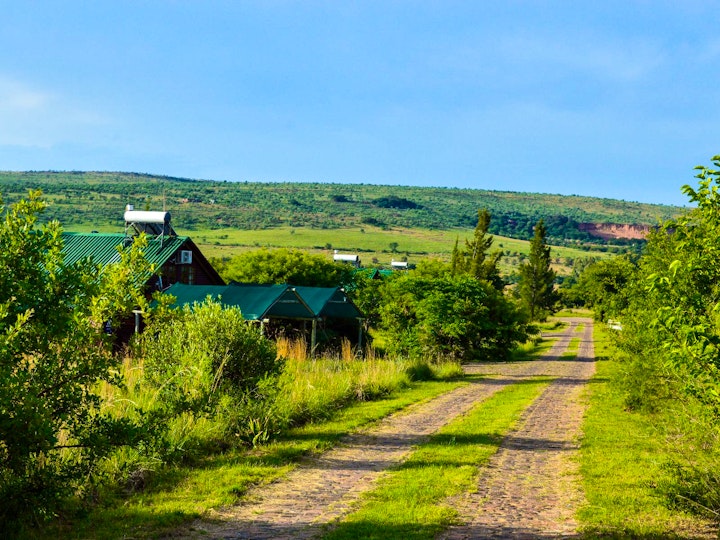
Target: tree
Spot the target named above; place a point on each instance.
(604, 286)
(53, 354)
(294, 267)
(475, 259)
(536, 278)
(670, 342)
(455, 317)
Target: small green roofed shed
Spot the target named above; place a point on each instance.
(256, 302)
(267, 302)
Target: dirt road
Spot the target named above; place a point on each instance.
(528, 489)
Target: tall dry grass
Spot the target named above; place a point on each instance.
(308, 389)
(313, 388)
(292, 348)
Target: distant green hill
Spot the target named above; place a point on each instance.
(90, 199)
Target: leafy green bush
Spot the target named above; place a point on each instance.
(458, 318)
(54, 430)
(670, 339)
(195, 353)
(290, 266)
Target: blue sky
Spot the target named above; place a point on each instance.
(614, 99)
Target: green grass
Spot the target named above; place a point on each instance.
(574, 312)
(622, 461)
(530, 350)
(371, 243)
(410, 503)
(176, 495)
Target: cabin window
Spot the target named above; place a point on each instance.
(187, 274)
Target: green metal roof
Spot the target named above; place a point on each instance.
(258, 302)
(102, 248)
(329, 302)
(189, 294)
(263, 301)
(371, 273)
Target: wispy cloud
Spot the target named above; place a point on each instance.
(33, 117)
(16, 97)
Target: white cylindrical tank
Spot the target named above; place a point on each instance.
(140, 216)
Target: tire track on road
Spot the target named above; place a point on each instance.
(530, 488)
(322, 489)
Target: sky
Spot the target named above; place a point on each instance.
(616, 99)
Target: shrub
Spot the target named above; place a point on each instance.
(198, 350)
(54, 430)
(459, 318)
(285, 266)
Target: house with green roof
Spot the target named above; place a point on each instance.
(176, 258)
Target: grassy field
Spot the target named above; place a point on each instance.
(373, 244)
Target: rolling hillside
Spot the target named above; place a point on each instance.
(96, 200)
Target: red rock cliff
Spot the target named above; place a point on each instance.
(609, 231)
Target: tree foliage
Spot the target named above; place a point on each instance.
(535, 288)
(604, 286)
(475, 259)
(290, 266)
(53, 353)
(682, 287)
(456, 317)
(670, 340)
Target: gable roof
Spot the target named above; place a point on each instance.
(189, 294)
(257, 302)
(102, 248)
(262, 301)
(329, 302)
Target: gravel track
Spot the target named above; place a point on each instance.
(529, 488)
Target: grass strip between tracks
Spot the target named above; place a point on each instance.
(410, 502)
